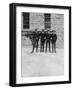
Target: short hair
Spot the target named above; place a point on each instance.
(53, 31)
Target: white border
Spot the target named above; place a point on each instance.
(20, 80)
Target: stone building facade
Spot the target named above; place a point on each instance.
(37, 21)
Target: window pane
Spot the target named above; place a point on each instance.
(25, 20)
(47, 20)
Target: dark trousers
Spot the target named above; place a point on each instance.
(54, 47)
(42, 46)
(35, 45)
(47, 44)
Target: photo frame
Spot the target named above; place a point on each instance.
(40, 44)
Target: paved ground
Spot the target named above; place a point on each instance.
(42, 64)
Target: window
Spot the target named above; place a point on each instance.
(25, 20)
(47, 20)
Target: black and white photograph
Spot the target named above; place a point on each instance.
(42, 44)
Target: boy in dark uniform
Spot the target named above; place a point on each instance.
(53, 40)
(42, 40)
(48, 36)
(35, 40)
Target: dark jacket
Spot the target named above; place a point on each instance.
(53, 37)
(48, 36)
(43, 37)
